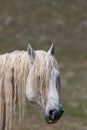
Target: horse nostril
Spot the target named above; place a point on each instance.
(52, 114)
(55, 115)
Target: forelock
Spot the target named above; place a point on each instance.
(44, 63)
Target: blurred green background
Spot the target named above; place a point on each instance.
(42, 22)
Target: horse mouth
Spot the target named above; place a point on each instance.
(54, 116)
(51, 122)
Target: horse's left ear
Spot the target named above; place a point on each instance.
(31, 52)
(51, 50)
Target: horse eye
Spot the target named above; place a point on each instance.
(39, 77)
(58, 80)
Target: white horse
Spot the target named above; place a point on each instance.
(31, 74)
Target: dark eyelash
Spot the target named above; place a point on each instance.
(58, 80)
(39, 77)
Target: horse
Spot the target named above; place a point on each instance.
(33, 75)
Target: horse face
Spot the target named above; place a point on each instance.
(43, 90)
(53, 109)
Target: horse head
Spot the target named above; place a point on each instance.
(43, 82)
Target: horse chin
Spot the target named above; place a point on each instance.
(50, 121)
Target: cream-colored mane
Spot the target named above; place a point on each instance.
(14, 68)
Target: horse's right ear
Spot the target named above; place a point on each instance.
(51, 50)
(31, 52)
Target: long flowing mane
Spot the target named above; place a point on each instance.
(26, 74)
(14, 68)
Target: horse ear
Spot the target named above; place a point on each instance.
(31, 52)
(51, 50)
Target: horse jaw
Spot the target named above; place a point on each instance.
(29, 89)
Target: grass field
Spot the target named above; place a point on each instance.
(41, 23)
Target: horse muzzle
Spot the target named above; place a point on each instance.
(53, 116)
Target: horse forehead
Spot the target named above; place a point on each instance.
(41, 53)
(43, 58)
